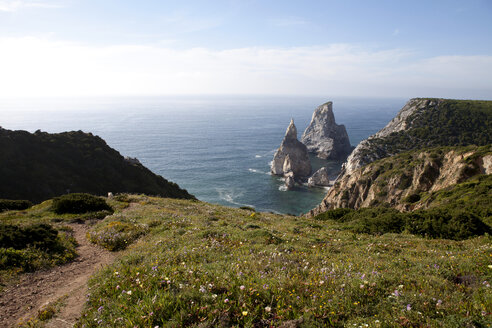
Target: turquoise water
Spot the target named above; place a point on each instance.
(218, 148)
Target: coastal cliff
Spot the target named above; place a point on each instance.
(421, 124)
(406, 181)
(38, 166)
(424, 122)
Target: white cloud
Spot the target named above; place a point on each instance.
(15, 5)
(43, 67)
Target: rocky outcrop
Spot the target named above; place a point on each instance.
(324, 137)
(373, 148)
(320, 178)
(401, 180)
(291, 159)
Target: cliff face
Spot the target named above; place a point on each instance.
(324, 137)
(405, 181)
(40, 166)
(291, 159)
(427, 123)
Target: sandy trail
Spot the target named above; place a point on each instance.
(22, 301)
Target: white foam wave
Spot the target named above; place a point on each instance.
(258, 156)
(230, 195)
(283, 188)
(258, 171)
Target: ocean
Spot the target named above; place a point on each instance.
(217, 147)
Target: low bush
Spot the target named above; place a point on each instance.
(335, 214)
(32, 247)
(10, 204)
(42, 236)
(79, 203)
(447, 223)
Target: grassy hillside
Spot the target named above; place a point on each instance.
(191, 264)
(40, 166)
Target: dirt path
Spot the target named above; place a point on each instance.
(35, 290)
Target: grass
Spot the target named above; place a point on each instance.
(192, 264)
(202, 265)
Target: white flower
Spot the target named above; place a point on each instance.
(268, 309)
(129, 292)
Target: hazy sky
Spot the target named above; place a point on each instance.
(435, 48)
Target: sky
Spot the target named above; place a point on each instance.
(379, 48)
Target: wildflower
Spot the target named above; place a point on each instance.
(396, 293)
(268, 309)
(214, 296)
(226, 300)
(245, 313)
(439, 302)
(321, 282)
(409, 307)
(242, 287)
(202, 289)
(129, 292)
(361, 286)
(100, 309)
(490, 266)
(154, 268)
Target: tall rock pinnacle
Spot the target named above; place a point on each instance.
(291, 159)
(324, 137)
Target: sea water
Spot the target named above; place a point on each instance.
(217, 147)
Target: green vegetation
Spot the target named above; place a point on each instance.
(39, 237)
(449, 123)
(434, 223)
(424, 166)
(32, 247)
(473, 196)
(79, 203)
(10, 204)
(41, 166)
(203, 265)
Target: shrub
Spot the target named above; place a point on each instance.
(335, 214)
(42, 236)
(32, 247)
(79, 203)
(9, 204)
(446, 224)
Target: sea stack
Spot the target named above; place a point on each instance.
(324, 137)
(291, 160)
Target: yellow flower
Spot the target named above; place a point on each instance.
(245, 313)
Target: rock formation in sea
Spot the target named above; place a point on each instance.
(324, 137)
(291, 160)
(320, 178)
